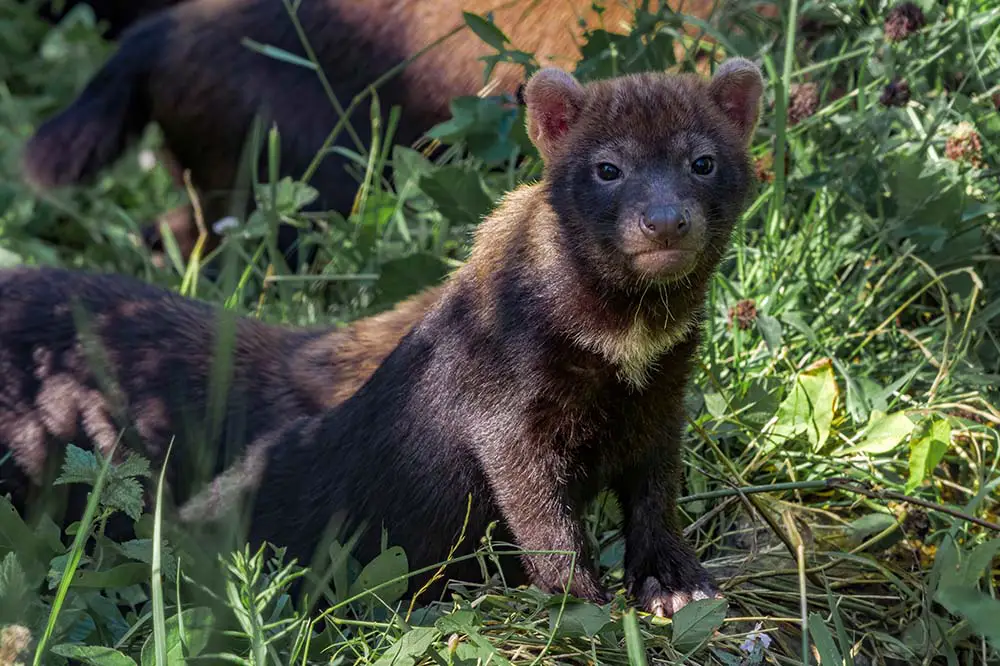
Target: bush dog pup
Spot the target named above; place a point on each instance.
(62, 331)
(553, 363)
(188, 70)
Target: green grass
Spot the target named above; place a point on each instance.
(843, 456)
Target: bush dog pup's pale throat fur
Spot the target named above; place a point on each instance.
(554, 362)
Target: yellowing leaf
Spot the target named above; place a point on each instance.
(883, 433)
(926, 452)
(810, 405)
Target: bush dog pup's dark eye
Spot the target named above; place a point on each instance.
(607, 171)
(703, 166)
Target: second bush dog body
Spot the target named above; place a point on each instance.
(188, 70)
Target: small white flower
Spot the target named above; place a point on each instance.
(756, 637)
(225, 224)
(147, 160)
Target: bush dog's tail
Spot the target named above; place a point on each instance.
(90, 134)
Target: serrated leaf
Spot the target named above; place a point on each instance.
(142, 551)
(14, 590)
(409, 648)
(809, 406)
(198, 624)
(829, 655)
(134, 465)
(696, 622)
(580, 619)
(883, 434)
(93, 654)
(486, 30)
(79, 466)
(124, 495)
(389, 564)
(926, 453)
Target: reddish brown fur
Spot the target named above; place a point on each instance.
(187, 70)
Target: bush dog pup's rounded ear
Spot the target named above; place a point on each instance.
(737, 87)
(554, 99)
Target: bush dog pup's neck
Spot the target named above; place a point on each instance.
(555, 362)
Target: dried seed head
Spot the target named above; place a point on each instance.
(916, 524)
(743, 314)
(803, 101)
(763, 167)
(14, 639)
(965, 145)
(897, 93)
(996, 101)
(903, 20)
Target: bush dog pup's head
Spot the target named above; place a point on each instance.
(647, 173)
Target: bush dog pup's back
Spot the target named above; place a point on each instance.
(554, 363)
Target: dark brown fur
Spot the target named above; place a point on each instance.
(157, 351)
(553, 364)
(187, 70)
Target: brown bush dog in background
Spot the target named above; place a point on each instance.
(553, 364)
(188, 70)
(158, 350)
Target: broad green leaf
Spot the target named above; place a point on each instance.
(486, 30)
(696, 622)
(408, 166)
(580, 619)
(979, 562)
(408, 650)
(926, 452)
(198, 624)
(883, 434)
(402, 277)
(123, 575)
(95, 655)
(459, 194)
(716, 405)
(390, 564)
(809, 406)
(823, 640)
(868, 526)
(980, 610)
(770, 330)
